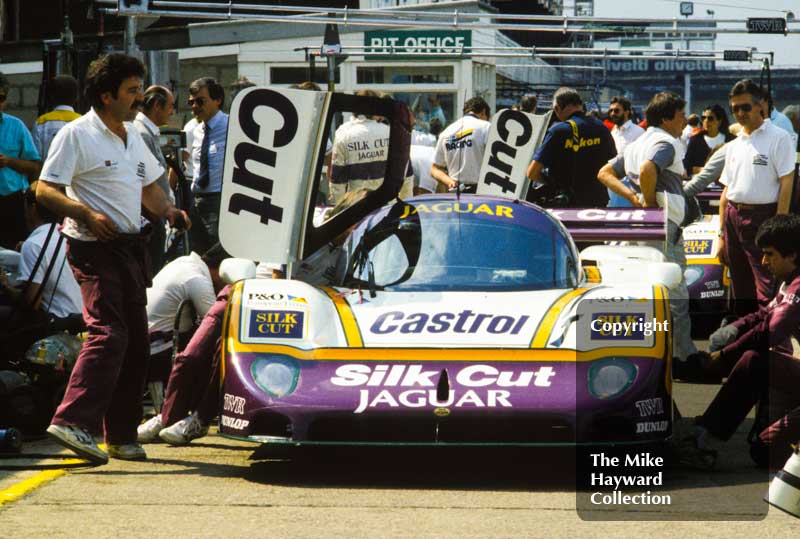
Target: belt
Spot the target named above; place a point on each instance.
(752, 207)
(163, 336)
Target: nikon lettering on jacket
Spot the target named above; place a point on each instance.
(276, 324)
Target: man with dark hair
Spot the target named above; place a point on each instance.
(758, 347)
(240, 84)
(360, 153)
(572, 152)
(459, 150)
(624, 132)
(19, 163)
(758, 175)
(62, 96)
(157, 108)
(109, 174)
(206, 98)
(528, 103)
(654, 165)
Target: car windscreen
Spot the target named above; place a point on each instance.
(460, 245)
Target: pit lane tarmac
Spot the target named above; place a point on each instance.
(213, 488)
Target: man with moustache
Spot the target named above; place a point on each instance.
(108, 173)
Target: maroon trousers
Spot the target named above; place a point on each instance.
(752, 283)
(107, 382)
(195, 377)
(747, 384)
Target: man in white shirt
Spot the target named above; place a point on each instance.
(108, 174)
(360, 153)
(158, 107)
(61, 295)
(187, 278)
(623, 133)
(758, 175)
(459, 150)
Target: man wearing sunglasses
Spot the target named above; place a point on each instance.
(206, 97)
(758, 174)
(19, 163)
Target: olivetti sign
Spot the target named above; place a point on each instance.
(667, 65)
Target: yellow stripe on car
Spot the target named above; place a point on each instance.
(351, 330)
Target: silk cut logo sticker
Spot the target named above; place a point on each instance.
(276, 324)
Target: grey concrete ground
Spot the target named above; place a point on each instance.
(213, 488)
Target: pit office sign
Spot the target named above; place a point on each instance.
(271, 145)
(512, 139)
(411, 44)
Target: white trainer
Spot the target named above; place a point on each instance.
(184, 431)
(148, 431)
(78, 440)
(126, 451)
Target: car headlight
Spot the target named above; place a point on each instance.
(610, 377)
(276, 376)
(692, 274)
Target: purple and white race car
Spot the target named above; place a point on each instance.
(457, 320)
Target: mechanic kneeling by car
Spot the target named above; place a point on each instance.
(759, 348)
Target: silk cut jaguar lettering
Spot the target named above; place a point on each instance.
(417, 386)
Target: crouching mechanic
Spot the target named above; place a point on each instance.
(191, 278)
(758, 347)
(192, 397)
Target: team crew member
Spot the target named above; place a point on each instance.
(109, 174)
(63, 93)
(654, 164)
(208, 152)
(459, 150)
(157, 109)
(758, 173)
(187, 278)
(195, 377)
(19, 162)
(360, 154)
(749, 346)
(61, 295)
(573, 151)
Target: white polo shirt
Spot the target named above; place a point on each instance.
(625, 134)
(102, 172)
(754, 162)
(185, 278)
(460, 148)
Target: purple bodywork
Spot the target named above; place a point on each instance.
(350, 398)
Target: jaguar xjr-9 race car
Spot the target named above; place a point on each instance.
(455, 320)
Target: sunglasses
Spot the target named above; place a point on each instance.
(615, 111)
(746, 107)
(709, 118)
(197, 100)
